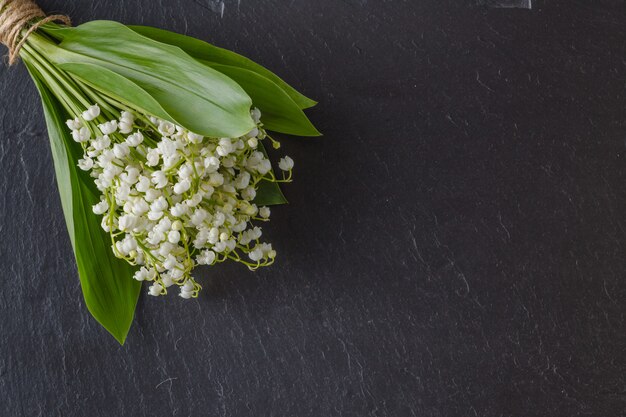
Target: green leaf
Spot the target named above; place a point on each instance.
(109, 290)
(269, 194)
(117, 87)
(205, 51)
(279, 112)
(197, 97)
(55, 30)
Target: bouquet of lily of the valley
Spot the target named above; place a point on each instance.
(158, 142)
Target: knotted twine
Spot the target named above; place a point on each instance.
(17, 15)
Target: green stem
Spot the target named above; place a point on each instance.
(57, 89)
(59, 75)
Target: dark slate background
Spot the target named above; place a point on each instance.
(454, 244)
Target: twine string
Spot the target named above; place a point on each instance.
(17, 15)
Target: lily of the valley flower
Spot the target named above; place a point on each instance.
(173, 199)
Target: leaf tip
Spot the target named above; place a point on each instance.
(314, 132)
(307, 103)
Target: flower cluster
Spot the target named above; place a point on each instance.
(172, 199)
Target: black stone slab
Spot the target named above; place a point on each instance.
(454, 244)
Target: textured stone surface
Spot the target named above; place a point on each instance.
(454, 245)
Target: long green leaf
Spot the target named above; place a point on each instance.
(117, 87)
(56, 31)
(280, 112)
(205, 51)
(108, 288)
(197, 97)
